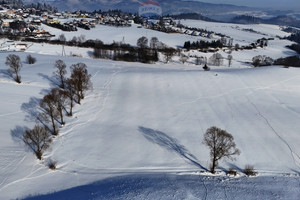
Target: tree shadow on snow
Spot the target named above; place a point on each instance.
(170, 144)
(52, 80)
(31, 108)
(236, 167)
(5, 74)
(17, 133)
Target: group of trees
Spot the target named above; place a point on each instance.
(259, 61)
(203, 44)
(58, 102)
(291, 61)
(141, 53)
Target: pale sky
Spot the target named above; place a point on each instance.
(277, 4)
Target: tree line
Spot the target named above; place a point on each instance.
(56, 104)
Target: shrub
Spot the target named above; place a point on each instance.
(52, 164)
(206, 68)
(30, 59)
(249, 170)
(232, 172)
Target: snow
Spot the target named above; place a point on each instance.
(128, 35)
(138, 133)
(238, 31)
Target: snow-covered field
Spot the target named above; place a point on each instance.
(128, 35)
(138, 133)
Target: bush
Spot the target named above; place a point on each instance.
(52, 164)
(259, 61)
(232, 172)
(206, 68)
(249, 170)
(30, 60)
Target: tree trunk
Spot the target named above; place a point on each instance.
(39, 154)
(61, 115)
(71, 107)
(53, 126)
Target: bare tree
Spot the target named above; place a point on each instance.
(81, 79)
(168, 53)
(256, 60)
(30, 59)
(229, 57)
(236, 46)
(60, 100)
(216, 59)
(200, 60)
(74, 40)
(221, 145)
(154, 43)
(15, 65)
(60, 72)
(142, 42)
(62, 38)
(223, 40)
(81, 38)
(38, 139)
(49, 111)
(71, 94)
(183, 58)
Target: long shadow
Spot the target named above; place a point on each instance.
(52, 80)
(236, 167)
(170, 144)
(31, 108)
(168, 186)
(18, 132)
(5, 74)
(34, 112)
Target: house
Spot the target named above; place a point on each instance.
(21, 46)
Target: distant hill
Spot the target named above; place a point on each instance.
(168, 6)
(279, 20)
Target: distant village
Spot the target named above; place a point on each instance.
(20, 22)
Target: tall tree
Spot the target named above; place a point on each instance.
(71, 94)
(38, 139)
(15, 65)
(216, 59)
(229, 57)
(60, 101)
(49, 111)
(154, 43)
(81, 79)
(221, 145)
(168, 54)
(60, 72)
(142, 42)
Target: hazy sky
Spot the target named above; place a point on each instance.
(278, 4)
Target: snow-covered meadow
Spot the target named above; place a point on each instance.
(138, 134)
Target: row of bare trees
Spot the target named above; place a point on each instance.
(56, 104)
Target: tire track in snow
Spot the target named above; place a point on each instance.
(229, 92)
(295, 156)
(13, 166)
(206, 189)
(106, 91)
(8, 114)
